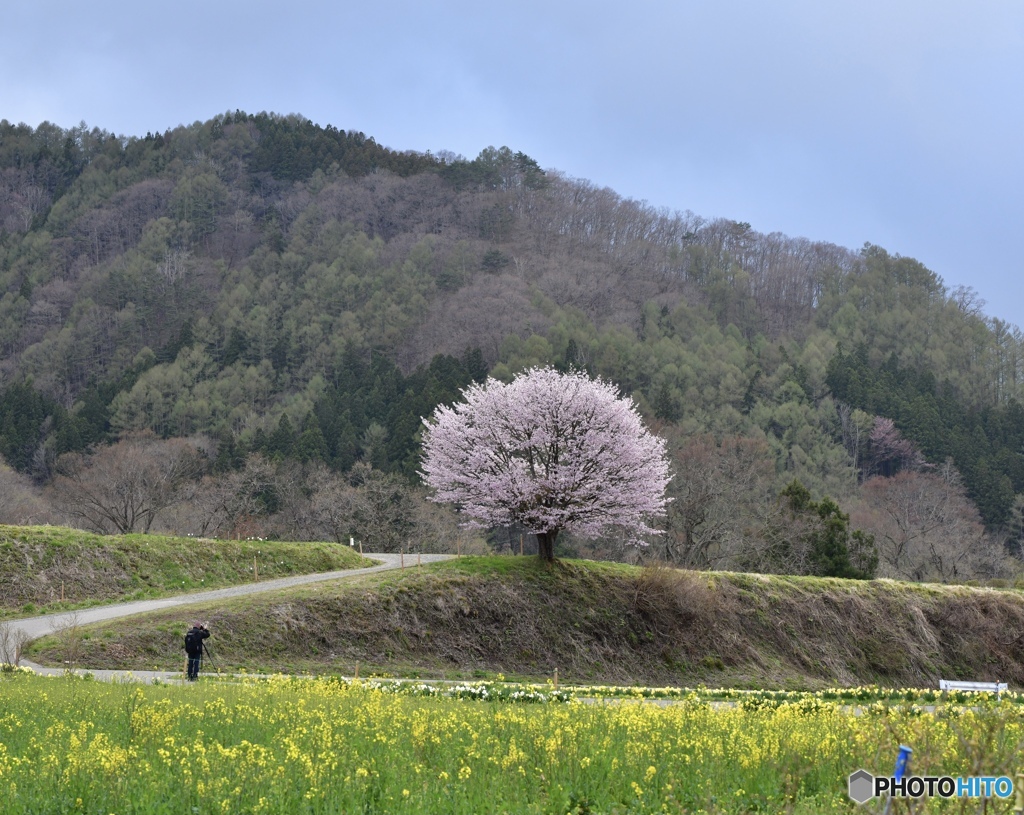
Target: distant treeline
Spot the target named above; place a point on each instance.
(369, 411)
(985, 443)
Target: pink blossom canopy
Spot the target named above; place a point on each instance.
(550, 451)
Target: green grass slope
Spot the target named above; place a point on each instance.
(39, 565)
(596, 622)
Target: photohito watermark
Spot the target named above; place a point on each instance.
(863, 786)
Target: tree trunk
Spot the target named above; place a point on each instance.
(546, 545)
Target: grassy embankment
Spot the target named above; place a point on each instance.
(598, 622)
(40, 565)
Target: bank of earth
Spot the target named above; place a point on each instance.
(594, 623)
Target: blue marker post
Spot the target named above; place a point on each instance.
(901, 762)
(902, 759)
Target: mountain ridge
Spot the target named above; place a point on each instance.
(261, 281)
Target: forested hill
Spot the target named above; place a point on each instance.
(305, 293)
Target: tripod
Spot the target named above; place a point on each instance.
(212, 663)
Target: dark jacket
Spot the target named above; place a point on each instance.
(194, 640)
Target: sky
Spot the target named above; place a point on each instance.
(894, 122)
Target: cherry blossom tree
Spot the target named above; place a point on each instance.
(550, 451)
(890, 452)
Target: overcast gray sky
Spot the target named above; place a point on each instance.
(899, 122)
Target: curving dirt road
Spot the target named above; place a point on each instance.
(35, 627)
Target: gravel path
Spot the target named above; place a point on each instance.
(35, 627)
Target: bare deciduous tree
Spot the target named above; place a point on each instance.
(71, 639)
(926, 528)
(123, 487)
(232, 501)
(12, 642)
(332, 506)
(382, 510)
(19, 501)
(716, 492)
(854, 425)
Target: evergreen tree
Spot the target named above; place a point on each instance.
(829, 549)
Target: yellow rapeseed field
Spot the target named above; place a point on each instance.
(69, 745)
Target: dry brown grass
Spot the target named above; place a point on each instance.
(608, 623)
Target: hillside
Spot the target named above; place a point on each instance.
(46, 569)
(289, 299)
(598, 623)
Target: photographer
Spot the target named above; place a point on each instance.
(194, 648)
